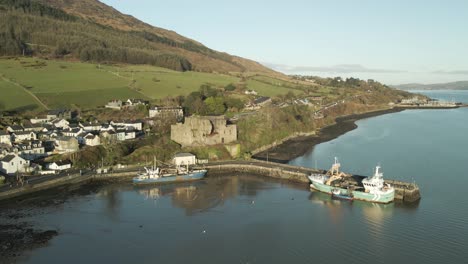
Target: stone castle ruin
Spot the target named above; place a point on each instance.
(203, 131)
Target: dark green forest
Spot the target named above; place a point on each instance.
(30, 28)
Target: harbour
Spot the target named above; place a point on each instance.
(227, 209)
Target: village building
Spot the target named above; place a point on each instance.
(129, 125)
(136, 102)
(59, 165)
(39, 120)
(33, 127)
(92, 140)
(251, 92)
(12, 164)
(184, 159)
(59, 114)
(114, 104)
(31, 150)
(166, 111)
(15, 128)
(66, 145)
(60, 123)
(203, 131)
(90, 127)
(72, 132)
(23, 136)
(5, 138)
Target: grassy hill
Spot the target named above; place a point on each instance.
(58, 83)
(90, 31)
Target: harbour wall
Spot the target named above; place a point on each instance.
(404, 191)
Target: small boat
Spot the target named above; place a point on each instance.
(156, 175)
(337, 193)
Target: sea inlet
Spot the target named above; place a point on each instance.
(252, 219)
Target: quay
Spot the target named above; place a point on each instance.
(404, 192)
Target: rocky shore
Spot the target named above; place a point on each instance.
(298, 146)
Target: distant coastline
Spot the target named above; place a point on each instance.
(456, 86)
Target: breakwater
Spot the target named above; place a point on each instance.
(404, 191)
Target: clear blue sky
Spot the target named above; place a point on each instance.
(397, 41)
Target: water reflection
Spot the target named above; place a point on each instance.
(201, 196)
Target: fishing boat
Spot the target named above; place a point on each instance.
(371, 189)
(158, 175)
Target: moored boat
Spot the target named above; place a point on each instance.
(373, 189)
(156, 175)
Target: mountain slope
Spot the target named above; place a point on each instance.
(92, 31)
(462, 85)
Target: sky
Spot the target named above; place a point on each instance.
(395, 42)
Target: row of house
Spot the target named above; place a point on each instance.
(119, 104)
(12, 164)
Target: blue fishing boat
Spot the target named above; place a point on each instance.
(157, 175)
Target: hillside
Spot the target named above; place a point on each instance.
(462, 85)
(89, 30)
(30, 83)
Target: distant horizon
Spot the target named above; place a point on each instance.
(393, 42)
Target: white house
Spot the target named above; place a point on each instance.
(39, 120)
(61, 123)
(88, 127)
(66, 145)
(251, 92)
(135, 102)
(136, 125)
(31, 150)
(59, 165)
(163, 111)
(184, 159)
(15, 128)
(92, 140)
(72, 132)
(5, 138)
(24, 135)
(120, 135)
(114, 104)
(12, 164)
(130, 135)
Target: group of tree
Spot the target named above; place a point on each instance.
(210, 101)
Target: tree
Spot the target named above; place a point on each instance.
(230, 87)
(215, 106)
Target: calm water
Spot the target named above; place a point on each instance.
(243, 219)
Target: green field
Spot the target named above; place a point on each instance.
(13, 97)
(64, 83)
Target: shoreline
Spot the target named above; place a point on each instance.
(298, 146)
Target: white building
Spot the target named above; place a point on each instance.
(5, 138)
(114, 104)
(251, 92)
(61, 123)
(133, 125)
(92, 140)
(24, 135)
(161, 111)
(184, 159)
(12, 164)
(59, 165)
(88, 127)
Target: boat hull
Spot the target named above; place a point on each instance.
(196, 175)
(357, 195)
